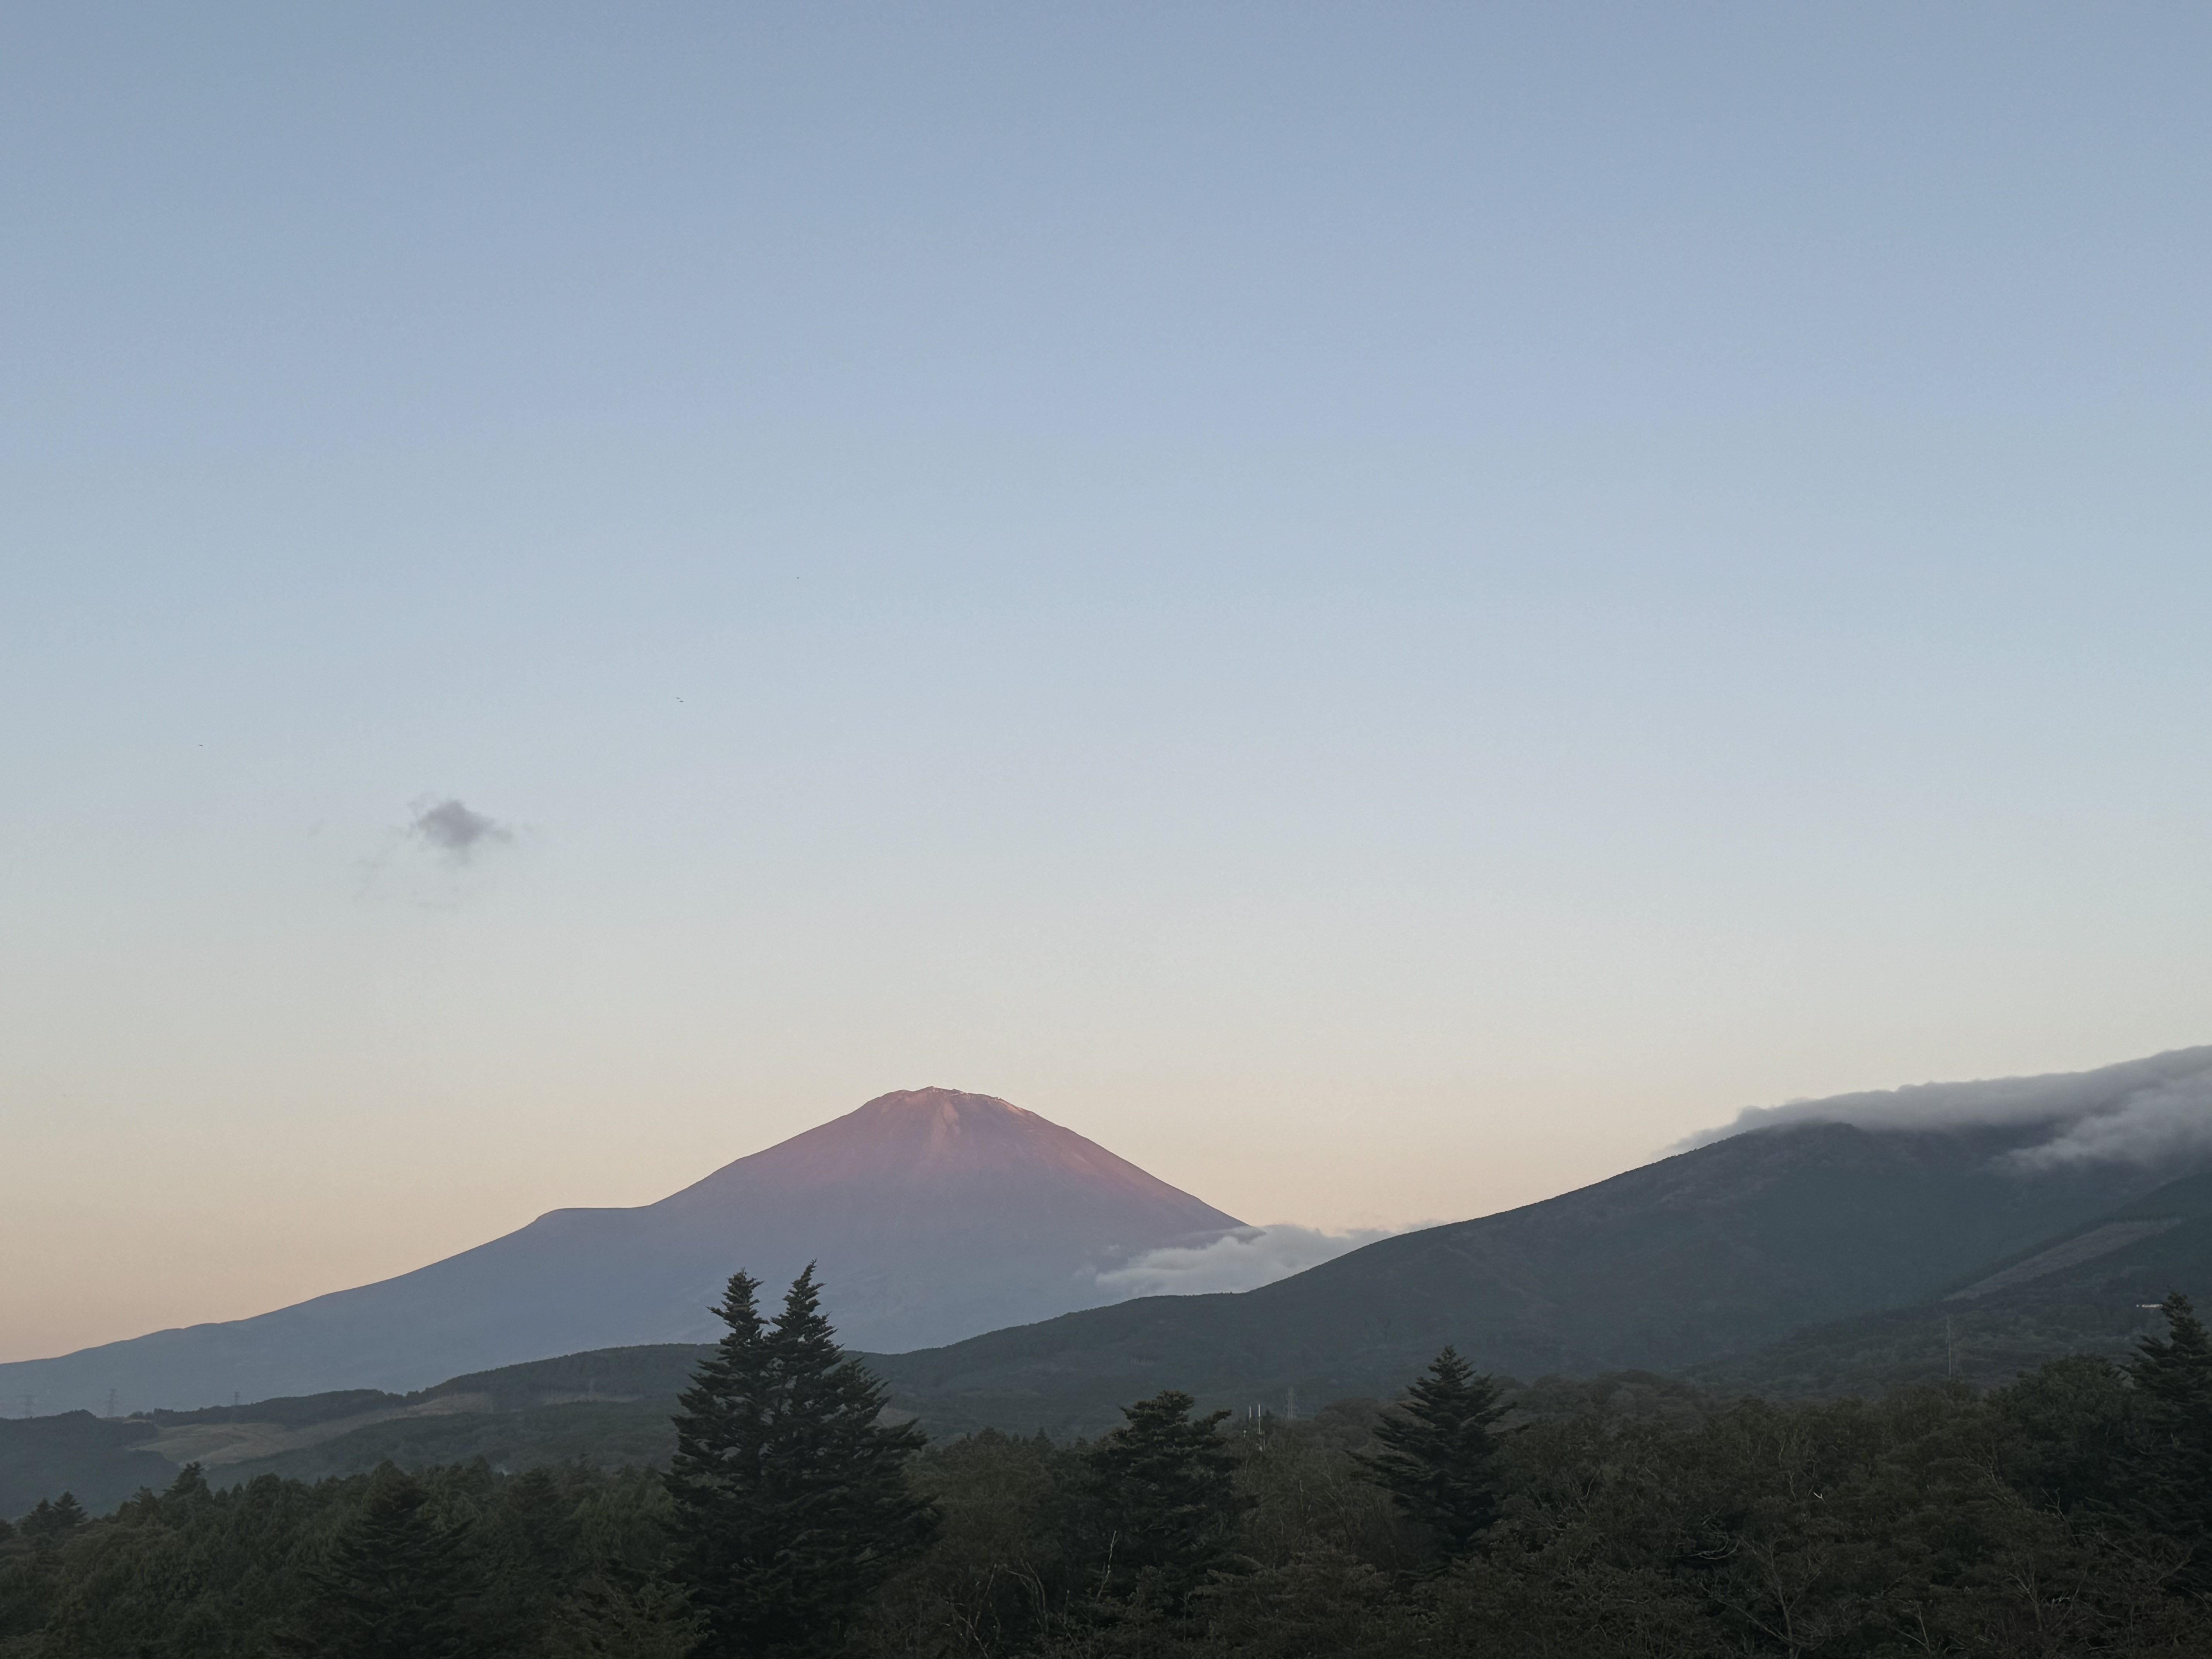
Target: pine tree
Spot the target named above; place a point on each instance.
(525, 1544)
(53, 1520)
(2169, 1471)
(187, 1493)
(624, 1617)
(1166, 1499)
(1439, 1459)
(395, 1584)
(792, 1498)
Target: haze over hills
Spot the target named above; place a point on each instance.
(936, 1215)
(1824, 1247)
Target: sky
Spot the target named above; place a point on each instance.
(1386, 609)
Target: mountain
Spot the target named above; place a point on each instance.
(1823, 1211)
(933, 1215)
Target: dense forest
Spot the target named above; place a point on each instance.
(2068, 1512)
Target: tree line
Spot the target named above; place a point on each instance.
(2069, 1513)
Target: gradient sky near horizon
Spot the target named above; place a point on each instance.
(1385, 609)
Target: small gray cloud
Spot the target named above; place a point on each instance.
(1243, 1260)
(2142, 1111)
(456, 831)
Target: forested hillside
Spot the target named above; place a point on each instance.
(2091, 1289)
(606, 1408)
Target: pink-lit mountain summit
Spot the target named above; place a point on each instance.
(936, 1163)
(931, 1214)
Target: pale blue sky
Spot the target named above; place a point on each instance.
(1384, 608)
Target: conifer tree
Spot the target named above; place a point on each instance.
(187, 1495)
(2170, 1473)
(792, 1498)
(1439, 1454)
(53, 1520)
(395, 1584)
(1166, 1499)
(623, 1616)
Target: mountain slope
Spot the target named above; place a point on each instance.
(934, 1214)
(1713, 1250)
(2085, 1290)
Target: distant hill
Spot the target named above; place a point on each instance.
(608, 1408)
(934, 1214)
(2085, 1291)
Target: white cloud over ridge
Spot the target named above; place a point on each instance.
(2140, 1111)
(1243, 1260)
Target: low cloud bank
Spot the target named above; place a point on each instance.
(2142, 1111)
(1241, 1261)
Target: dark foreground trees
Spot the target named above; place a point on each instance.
(1634, 1519)
(52, 1522)
(2167, 1476)
(396, 1583)
(1439, 1455)
(435, 1559)
(792, 1500)
(1162, 1502)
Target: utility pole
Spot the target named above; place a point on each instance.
(1950, 1352)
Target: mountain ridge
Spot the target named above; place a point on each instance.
(1704, 1253)
(1803, 1257)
